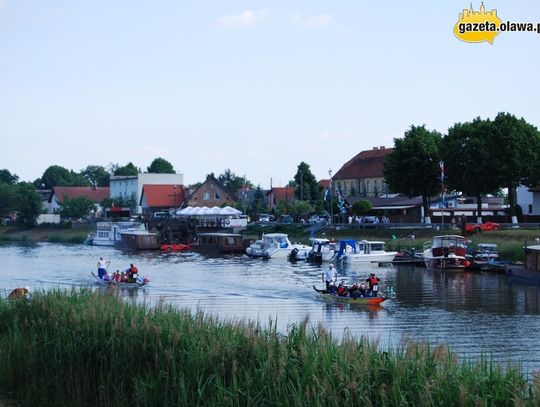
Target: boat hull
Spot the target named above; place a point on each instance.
(350, 300)
(370, 258)
(117, 284)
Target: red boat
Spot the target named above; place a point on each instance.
(177, 247)
(350, 300)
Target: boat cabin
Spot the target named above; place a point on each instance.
(137, 240)
(443, 245)
(219, 243)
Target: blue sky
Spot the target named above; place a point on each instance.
(254, 86)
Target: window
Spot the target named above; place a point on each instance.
(206, 196)
(217, 196)
(530, 208)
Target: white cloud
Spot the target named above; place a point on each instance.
(247, 18)
(320, 21)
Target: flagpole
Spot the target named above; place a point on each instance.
(331, 193)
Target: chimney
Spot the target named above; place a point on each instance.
(381, 147)
(375, 148)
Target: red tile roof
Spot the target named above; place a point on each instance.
(163, 195)
(324, 183)
(366, 164)
(97, 194)
(282, 193)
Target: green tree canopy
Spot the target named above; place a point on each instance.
(361, 207)
(75, 208)
(27, 204)
(96, 175)
(412, 169)
(467, 153)
(7, 199)
(517, 156)
(7, 177)
(307, 187)
(161, 166)
(58, 176)
(232, 181)
(258, 205)
(126, 170)
(300, 209)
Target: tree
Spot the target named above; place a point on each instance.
(7, 177)
(233, 182)
(258, 205)
(96, 175)
(126, 170)
(412, 168)
(56, 175)
(120, 202)
(75, 208)
(467, 154)
(7, 199)
(161, 166)
(361, 207)
(27, 204)
(517, 158)
(307, 187)
(300, 209)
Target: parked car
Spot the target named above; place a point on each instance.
(471, 228)
(317, 219)
(265, 218)
(162, 215)
(286, 219)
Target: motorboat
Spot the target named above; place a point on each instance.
(446, 252)
(276, 245)
(363, 251)
(486, 255)
(108, 233)
(322, 250)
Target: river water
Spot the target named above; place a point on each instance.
(472, 312)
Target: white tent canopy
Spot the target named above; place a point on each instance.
(203, 210)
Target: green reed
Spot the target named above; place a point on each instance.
(84, 348)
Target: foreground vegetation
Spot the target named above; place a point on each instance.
(45, 233)
(85, 348)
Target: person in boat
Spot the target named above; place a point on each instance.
(117, 276)
(132, 273)
(329, 276)
(342, 290)
(354, 290)
(123, 277)
(373, 282)
(107, 277)
(102, 267)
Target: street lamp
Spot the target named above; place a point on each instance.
(331, 193)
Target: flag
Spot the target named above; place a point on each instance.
(441, 166)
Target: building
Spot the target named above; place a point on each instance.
(156, 198)
(529, 200)
(131, 186)
(363, 174)
(59, 194)
(211, 193)
(279, 194)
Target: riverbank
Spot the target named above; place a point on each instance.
(45, 233)
(86, 348)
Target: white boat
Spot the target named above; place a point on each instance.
(446, 252)
(276, 245)
(363, 251)
(322, 250)
(108, 233)
(350, 251)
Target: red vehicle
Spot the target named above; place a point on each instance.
(471, 228)
(178, 247)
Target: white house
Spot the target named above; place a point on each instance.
(529, 200)
(132, 185)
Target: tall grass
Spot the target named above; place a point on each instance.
(82, 348)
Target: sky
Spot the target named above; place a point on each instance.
(252, 86)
